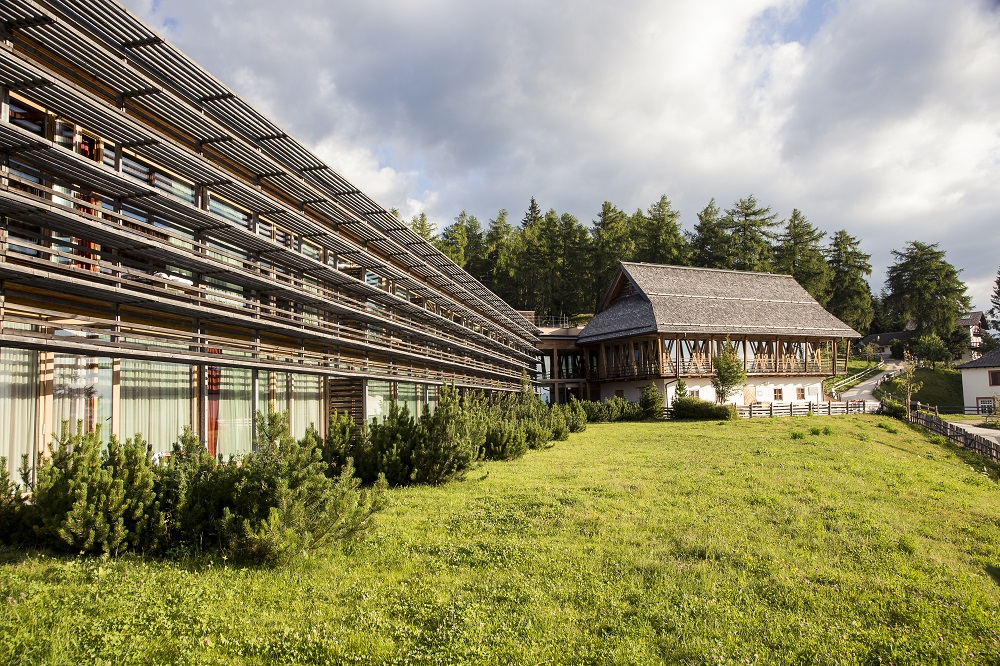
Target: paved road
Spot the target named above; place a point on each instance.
(863, 391)
(988, 433)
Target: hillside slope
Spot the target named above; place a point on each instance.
(817, 540)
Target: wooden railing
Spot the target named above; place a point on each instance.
(982, 445)
(831, 408)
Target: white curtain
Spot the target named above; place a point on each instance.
(82, 393)
(18, 406)
(235, 413)
(155, 401)
(308, 403)
(406, 394)
(377, 399)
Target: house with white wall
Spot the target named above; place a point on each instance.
(981, 382)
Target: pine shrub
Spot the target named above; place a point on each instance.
(444, 450)
(79, 502)
(505, 440)
(12, 508)
(651, 402)
(576, 415)
(391, 444)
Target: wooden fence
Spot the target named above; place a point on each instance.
(831, 408)
(979, 444)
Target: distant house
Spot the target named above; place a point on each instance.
(661, 324)
(981, 382)
(975, 322)
(885, 340)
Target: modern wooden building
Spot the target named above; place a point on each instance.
(171, 257)
(661, 324)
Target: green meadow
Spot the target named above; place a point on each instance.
(839, 540)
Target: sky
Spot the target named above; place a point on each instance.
(881, 117)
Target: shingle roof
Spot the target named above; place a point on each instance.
(987, 360)
(973, 318)
(886, 338)
(676, 299)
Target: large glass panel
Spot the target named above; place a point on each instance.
(234, 427)
(155, 401)
(378, 397)
(18, 406)
(81, 393)
(308, 404)
(406, 395)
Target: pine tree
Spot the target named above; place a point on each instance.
(995, 303)
(798, 254)
(850, 297)
(660, 237)
(924, 287)
(500, 258)
(614, 242)
(709, 242)
(748, 226)
(422, 227)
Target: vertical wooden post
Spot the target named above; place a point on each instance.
(116, 397)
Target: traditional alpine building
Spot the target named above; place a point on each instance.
(661, 324)
(170, 257)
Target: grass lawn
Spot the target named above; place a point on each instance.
(746, 542)
(942, 387)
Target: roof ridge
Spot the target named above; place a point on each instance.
(700, 268)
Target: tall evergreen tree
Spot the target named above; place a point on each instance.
(532, 215)
(501, 258)
(995, 304)
(475, 248)
(572, 293)
(924, 287)
(709, 242)
(660, 237)
(423, 228)
(749, 229)
(453, 239)
(798, 254)
(850, 296)
(614, 242)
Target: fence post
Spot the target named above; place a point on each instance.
(791, 411)
(771, 412)
(829, 409)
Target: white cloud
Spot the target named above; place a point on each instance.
(877, 116)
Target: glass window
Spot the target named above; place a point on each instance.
(81, 393)
(27, 117)
(155, 401)
(800, 393)
(378, 395)
(406, 396)
(778, 394)
(994, 377)
(230, 411)
(18, 407)
(308, 403)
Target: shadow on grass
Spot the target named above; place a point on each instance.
(994, 573)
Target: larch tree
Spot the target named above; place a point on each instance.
(709, 241)
(614, 241)
(749, 228)
(798, 253)
(660, 238)
(422, 227)
(850, 298)
(924, 287)
(995, 304)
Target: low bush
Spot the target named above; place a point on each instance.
(612, 410)
(894, 408)
(576, 416)
(698, 409)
